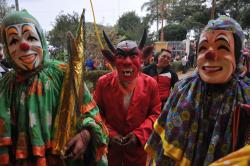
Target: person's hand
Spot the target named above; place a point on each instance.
(130, 140)
(246, 107)
(76, 147)
(116, 140)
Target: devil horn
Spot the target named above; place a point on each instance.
(143, 39)
(110, 45)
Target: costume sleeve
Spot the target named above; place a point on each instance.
(99, 100)
(145, 129)
(92, 121)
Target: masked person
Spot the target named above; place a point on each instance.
(202, 120)
(129, 103)
(29, 102)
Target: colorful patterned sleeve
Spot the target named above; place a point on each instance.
(92, 121)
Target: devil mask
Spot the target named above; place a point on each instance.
(126, 57)
(219, 50)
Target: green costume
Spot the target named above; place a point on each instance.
(28, 108)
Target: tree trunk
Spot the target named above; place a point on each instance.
(17, 5)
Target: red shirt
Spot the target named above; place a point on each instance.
(143, 110)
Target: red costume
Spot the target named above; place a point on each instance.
(129, 111)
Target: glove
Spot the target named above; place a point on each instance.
(130, 140)
(116, 140)
(77, 145)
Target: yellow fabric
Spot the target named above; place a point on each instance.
(169, 149)
(240, 158)
(71, 96)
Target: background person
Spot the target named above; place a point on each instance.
(163, 74)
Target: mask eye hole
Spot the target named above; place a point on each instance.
(222, 47)
(13, 41)
(202, 48)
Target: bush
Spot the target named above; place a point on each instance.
(92, 76)
(176, 66)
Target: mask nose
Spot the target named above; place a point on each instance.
(24, 46)
(127, 60)
(210, 55)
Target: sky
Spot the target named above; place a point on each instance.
(107, 12)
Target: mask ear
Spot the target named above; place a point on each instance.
(108, 55)
(147, 51)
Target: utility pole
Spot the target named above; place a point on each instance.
(213, 9)
(157, 14)
(17, 5)
(162, 20)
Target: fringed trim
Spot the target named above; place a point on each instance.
(100, 152)
(41, 161)
(87, 107)
(38, 151)
(150, 150)
(4, 158)
(5, 141)
(169, 149)
(240, 157)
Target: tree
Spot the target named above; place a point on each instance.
(69, 22)
(63, 23)
(131, 26)
(158, 9)
(3, 9)
(237, 9)
(175, 32)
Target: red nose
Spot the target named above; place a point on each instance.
(210, 55)
(24, 46)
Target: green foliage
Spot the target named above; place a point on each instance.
(194, 14)
(175, 32)
(91, 78)
(63, 23)
(3, 9)
(130, 26)
(176, 66)
(59, 55)
(237, 9)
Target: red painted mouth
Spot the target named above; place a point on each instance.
(28, 59)
(211, 69)
(127, 72)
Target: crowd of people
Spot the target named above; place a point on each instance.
(140, 113)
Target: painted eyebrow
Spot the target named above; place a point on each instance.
(222, 37)
(203, 39)
(12, 30)
(25, 28)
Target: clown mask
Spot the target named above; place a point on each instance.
(127, 61)
(216, 59)
(24, 46)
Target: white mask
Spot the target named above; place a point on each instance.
(24, 45)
